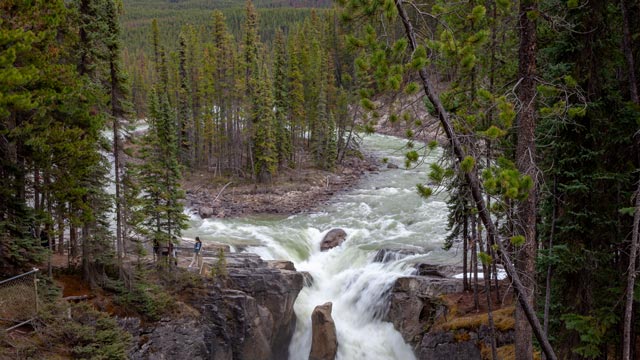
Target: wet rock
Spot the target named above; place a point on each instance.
(388, 255)
(307, 278)
(324, 341)
(392, 166)
(333, 238)
(281, 265)
(441, 271)
(205, 212)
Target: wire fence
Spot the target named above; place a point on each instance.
(18, 300)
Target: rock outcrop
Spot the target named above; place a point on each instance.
(324, 341)
(333, 238)
(443, 346)
(461, 343)
(246, 314)
(414, 303)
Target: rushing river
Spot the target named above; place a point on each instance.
(382, 211)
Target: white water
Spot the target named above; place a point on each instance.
(382, 211)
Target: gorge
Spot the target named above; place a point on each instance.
(383, 211)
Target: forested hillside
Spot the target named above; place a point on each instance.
(534, 104)
(541, 114)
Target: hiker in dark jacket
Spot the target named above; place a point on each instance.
(196, 251)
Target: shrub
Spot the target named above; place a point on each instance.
(88, 333)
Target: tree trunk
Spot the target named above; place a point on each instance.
(476, 190)
(474, 261)
(526, 164)
(73, 240)
(486, 270)
(631, 271)
(631, 278)
(627, 44)
(60, 232)
(117, 181)
(465, 241)
(547, 297)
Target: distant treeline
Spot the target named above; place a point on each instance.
(172, 16)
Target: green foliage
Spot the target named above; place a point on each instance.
(424, 191)
(581, 140)
(160, 174)
(493, 132)
(146, 299)
(467, 164)
(517, 240)
(51, 115)
(219, 269)
(592, 331)
(485, 259)
(89, 334)
(505, 180)
(412, 156)
(628, 211)
(437, 173)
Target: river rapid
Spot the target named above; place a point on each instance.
(382, 211)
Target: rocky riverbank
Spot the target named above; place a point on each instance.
(292, 191)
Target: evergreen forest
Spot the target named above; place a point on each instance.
(533, 104)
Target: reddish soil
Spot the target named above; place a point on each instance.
(464, 303)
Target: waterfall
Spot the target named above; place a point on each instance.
(382, 211)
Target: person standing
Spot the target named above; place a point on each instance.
(172, 254)
(196, 251)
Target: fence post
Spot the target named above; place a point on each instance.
(35, 288)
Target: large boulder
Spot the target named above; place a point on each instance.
(333, 238)
(414, 303)
(205, 212)
(324, 341)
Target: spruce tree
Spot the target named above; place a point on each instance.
(281, 99)
(263, 125)
(159, 175)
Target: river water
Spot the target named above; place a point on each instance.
(382, 211)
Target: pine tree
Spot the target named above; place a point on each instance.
(184, 114)
(281, 95)
(160, 174)
(50, 129)
(296, 110)
(263, 121)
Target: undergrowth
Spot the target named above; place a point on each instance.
(503, 320)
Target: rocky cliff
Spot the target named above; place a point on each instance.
(246, 313)
(421, 309)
